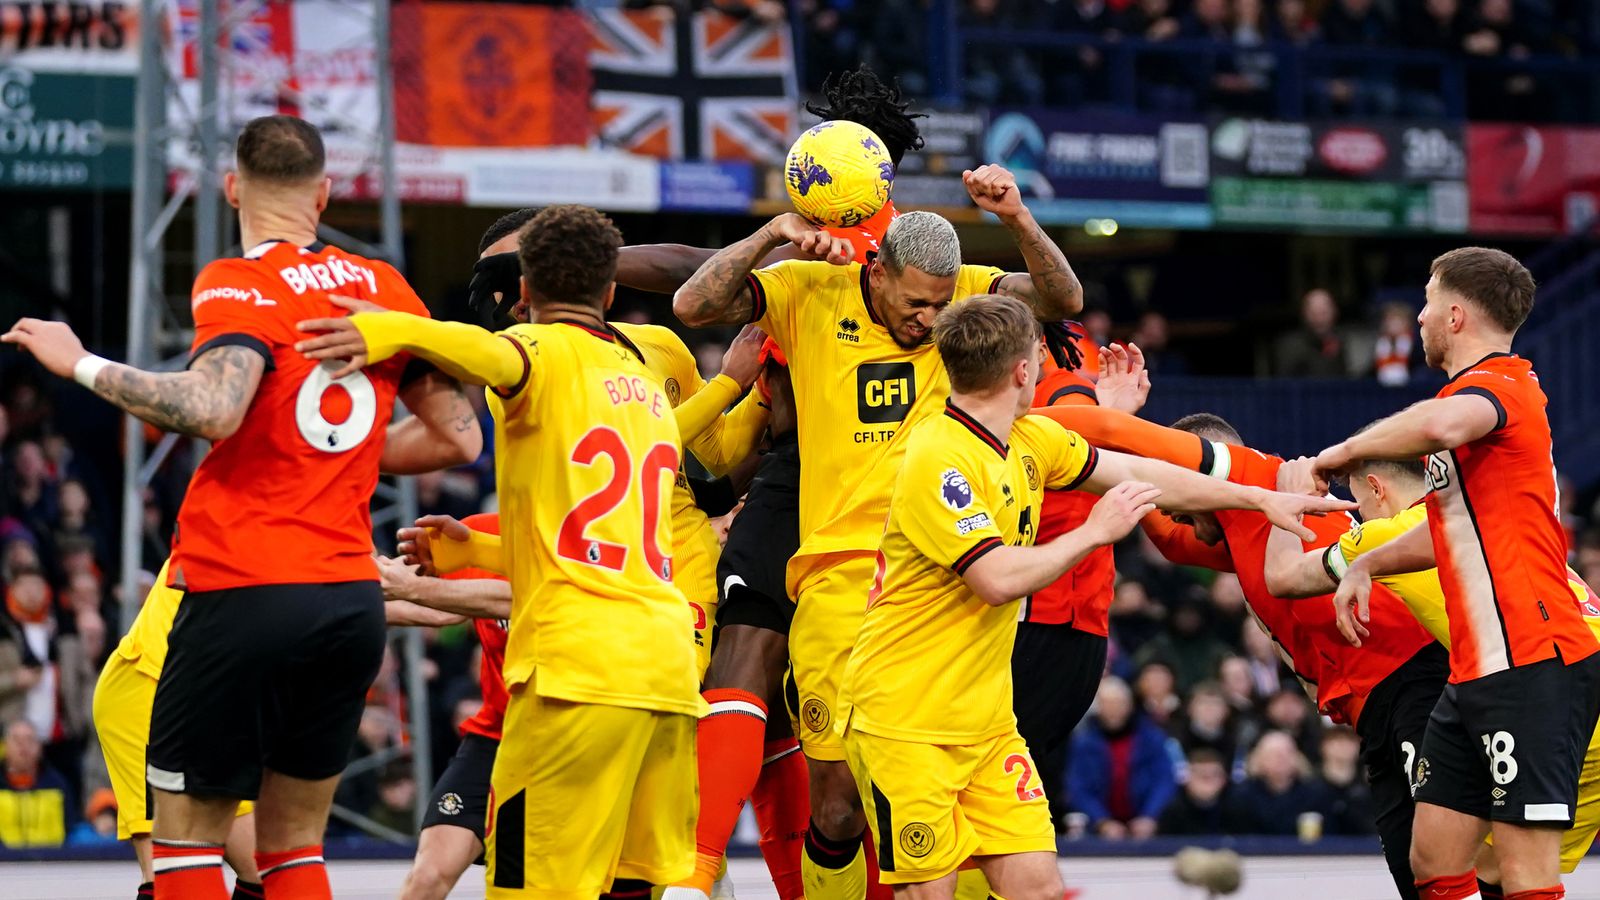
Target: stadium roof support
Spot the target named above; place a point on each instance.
(157, 326)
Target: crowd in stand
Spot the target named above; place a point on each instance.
(1235, 66)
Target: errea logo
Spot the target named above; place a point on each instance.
(849, 330)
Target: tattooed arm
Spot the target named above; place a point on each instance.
(208, 400)
(717, 293)
(441, 432)
(1050, 286)
(663, 268)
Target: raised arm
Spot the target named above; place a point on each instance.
(1418, 430)
(702, 411)
(208, 400)
(441, 432)
(465, 352)
(718, 293)
(1050, 286)
(1188, 491)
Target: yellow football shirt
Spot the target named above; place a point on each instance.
(718, 441)
(145, 644)
(1421, 591)
(932, 662)
(856, 391)
(587, 457)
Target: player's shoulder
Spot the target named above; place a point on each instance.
(816, 272)
(1037, 432)
(657, 338)
(1363, 536)
(971, 279)
(1496, 372)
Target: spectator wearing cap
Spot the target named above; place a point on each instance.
(36, 805)
(1123, 769)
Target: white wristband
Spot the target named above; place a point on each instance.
(88, 368)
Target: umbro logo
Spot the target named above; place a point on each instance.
(849, 330)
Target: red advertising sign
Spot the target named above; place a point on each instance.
(1532, 179)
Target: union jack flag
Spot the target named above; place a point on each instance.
(701, 86)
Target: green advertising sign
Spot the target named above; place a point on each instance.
(1364, 205)
(65, 131)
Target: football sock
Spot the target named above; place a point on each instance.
(782, 802)
(297, 874)
(971, 885)
(728, 754)
(876, 889)
(1554, 892)
(1451, 887)
(188, 870)
(833, 870)
(1490, 891)
(147, 891)
(248, 890)
(627, 889)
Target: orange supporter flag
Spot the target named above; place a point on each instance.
(490, 75)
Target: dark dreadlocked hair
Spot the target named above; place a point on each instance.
(858, 96)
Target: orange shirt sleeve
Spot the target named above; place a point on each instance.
(1111, 429)
(1179, 545)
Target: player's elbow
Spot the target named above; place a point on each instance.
(992, 587)
(1280, 581)
(467, 445)
(689, 306)
(221, 425)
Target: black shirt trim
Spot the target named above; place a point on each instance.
(1478, 363)
(1071, 389)
(976, 427)
(1478, 390)
(965, 561)
(234, 339)
(527, 370)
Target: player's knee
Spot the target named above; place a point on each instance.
(835, 804)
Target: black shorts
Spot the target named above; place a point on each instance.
(751, 573)
(1391, 729)
(1509, 746)
(461, 798)
(265, 677)
(1055, 673)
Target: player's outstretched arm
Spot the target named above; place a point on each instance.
(1007, 573)
(1291, 570)
(465, 352)
(208, 400)
(442, 431)
(439, 545)
(718, 293)
(1187, 491)
(1442, 423)
(1050, 287)
(703, 410)
(476, 598)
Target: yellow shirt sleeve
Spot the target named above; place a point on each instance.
(942, 510)
(702, 411)
(779, 290)
(478, 551)
(731, 437)
(1064, 458)
(466, 352)
(972, 281)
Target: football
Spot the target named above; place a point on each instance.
(838, 174)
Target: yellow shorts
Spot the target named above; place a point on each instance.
(122, 700)
(932, 807)
(832, 600)
(583, 794)
(1579, 838)
(705, 620)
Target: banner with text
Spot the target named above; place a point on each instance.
(1074, 166)
(1389, 176)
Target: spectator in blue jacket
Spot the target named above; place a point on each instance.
(1124, 768)
(35, 802)
(1281, 789)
